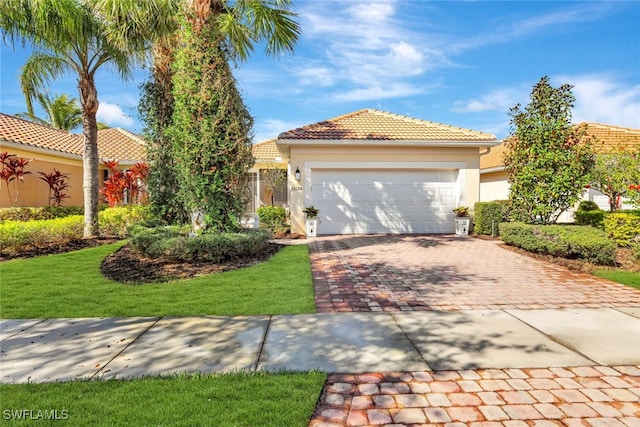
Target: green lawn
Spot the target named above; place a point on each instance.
(239, 399)
(71, 285)
(628, 278)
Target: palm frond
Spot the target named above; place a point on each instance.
(41, 68)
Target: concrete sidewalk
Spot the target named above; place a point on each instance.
(65, 349)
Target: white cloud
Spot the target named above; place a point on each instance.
(265, 129)
(604, 99)
(113, 115)
(497, 100)
(394, 90)
(315, 76)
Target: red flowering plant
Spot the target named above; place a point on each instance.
(57, 182)
(13, 173)
(128, 186)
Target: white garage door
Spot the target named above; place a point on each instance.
(384, 201)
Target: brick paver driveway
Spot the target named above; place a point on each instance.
(434, 272)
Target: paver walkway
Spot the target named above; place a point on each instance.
(405, 273)
(577, 396)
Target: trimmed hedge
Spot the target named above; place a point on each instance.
(571, 242)
(176, 244)
(19, 235)
(45, 212)
(488, 216)
(16, 235)
(274, 219)
(622, 227)
(590, 218)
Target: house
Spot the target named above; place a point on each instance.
(494, 183)
(372, 171)
(48, 148)
(268, 177)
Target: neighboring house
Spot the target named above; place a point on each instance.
(375, 172)
(49, 148)
(494, 183)
(267, 159)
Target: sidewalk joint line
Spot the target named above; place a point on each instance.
(23, 330)
(264, 341)
(395, 320)
(126, 347)
(555, 340)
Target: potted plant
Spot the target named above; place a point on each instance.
(463, 221)
(311, 214)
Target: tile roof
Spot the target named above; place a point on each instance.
(120, 144)
(113, 143)
(14, 129)
(266, 150)
(609, 138)
(612, 137)
(372, 124)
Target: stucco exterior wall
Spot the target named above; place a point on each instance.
(306, 157)
(494, 186)
(35, 192)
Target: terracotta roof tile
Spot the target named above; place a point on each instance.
(14, 129)
(609, 138)
(120, 144)
(114, 143)
(266, 150)
(612, 137)
(372, 124)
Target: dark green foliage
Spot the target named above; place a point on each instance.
(176, 243)
(622, 227)
(274, 219)
(588, 205)
(46, 212)
(488, 216)
(589, 213)
(211, 129)
(156, 109)
(570, 242)
(547, 160)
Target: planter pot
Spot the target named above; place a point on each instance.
(312, 227)
(463, 225)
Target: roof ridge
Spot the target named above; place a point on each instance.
(604, 125)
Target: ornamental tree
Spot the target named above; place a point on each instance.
(617, 175)
(547, 159)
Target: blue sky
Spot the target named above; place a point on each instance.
(459, 63)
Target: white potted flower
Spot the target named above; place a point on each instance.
(463, 221)
(311, 213)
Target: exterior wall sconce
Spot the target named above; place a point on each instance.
(297, 174)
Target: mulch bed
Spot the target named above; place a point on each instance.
(125, 266)
(58, 248)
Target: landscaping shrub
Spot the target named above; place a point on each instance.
(571, 242)
(589, 213)
(175, 243)
(115, 221)
(635, 250)
(488, 216)
(45, 212)
(622, 227)
(274, 219)
(17, 235)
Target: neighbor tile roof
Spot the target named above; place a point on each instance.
(372, 124)
(609, 138)
(266, 150)
(113, 144)
(612, 138)
(14, 129)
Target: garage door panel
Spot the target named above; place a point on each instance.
(398, 201)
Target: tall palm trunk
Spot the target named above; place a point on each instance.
(89, 102)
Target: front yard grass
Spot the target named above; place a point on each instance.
(71, 285)
(629, 278)
(237, 399)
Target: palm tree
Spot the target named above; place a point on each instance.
(62, 112)
(68, 36)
